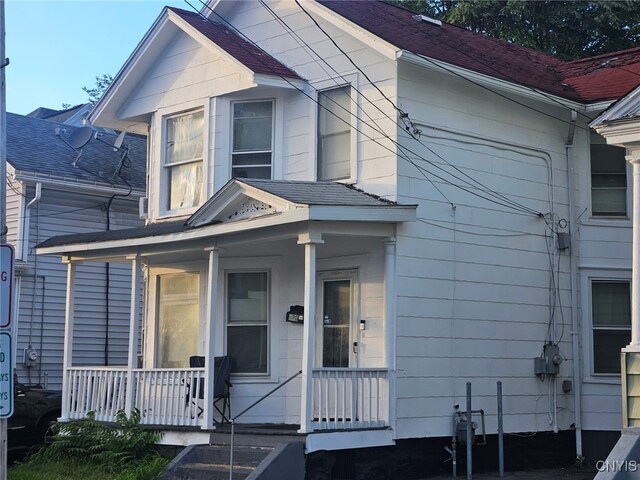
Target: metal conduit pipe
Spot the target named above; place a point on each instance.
(573, 265)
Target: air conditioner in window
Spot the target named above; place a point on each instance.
(143, 207)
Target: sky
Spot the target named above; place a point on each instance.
(56, 47)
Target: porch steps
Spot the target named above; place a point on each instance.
(211, 462)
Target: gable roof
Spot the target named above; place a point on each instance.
(586, 80)
(243, 51)
(34, 148)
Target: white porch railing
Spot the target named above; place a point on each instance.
(348, 398)
(169, 396)
(101, 390)
(163, 396)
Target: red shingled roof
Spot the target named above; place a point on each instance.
(606, 77)
(245, 52)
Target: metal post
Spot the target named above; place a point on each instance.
(500, 433)
(233, 425)
(469, 431)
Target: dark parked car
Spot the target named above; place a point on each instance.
(35, 410)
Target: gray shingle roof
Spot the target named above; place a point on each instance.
(318, 193)
(33, 147)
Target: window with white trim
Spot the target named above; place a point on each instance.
(334, 134)
(183, 160)
(611, 323)
(178, 318)
(248, 322)
(252, 144)
(608, 179)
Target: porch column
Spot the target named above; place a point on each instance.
(390, 323)
(136, 303)
(212, 302)
(634, 159)
(67, 359)
(309, 240)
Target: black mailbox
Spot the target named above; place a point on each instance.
(295, 314)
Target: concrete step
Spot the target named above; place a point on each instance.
(242, 455)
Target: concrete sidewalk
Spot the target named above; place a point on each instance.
(564, 473)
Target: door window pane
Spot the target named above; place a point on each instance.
(336, 321)
(247, 321)
(178, 319)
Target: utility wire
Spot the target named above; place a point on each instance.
(404, 115)
(404, 150)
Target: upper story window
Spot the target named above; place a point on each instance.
(334, 134)
(183, 161)
(611, 323)
(608, 179)
(252, 139)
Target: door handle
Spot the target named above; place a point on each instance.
(355, 347)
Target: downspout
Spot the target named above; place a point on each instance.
(573, 262)
(26, 237)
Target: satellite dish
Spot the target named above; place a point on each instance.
(80, 137)
(119, 140)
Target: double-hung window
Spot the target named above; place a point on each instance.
(334, 134)
(183, 160)
(611, 323)
(178, 318)
(608, 179)
(248, 322)
(252, 152)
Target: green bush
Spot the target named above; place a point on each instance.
(114, 447)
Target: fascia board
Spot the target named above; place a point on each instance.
(621, 132)
(293, 216)
(488, 81)
(598, 106)
(130, 64)
(61, 183)
(376, 43)
(395, 213)
(210, 45)
(279, 82)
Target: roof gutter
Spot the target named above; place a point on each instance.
(488, 81)
(75, 185)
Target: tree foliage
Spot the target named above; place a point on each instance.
(102, 83)
(567, 29)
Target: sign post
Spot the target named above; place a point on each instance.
(6, 349)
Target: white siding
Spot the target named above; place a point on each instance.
(43, 289)
(15, 207)
(473, 283)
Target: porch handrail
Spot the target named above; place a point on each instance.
(233, 419)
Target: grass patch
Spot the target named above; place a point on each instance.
(60, 469)
(91, 450)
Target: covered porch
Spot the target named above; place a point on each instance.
(277, 282)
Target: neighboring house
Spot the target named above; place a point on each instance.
(52, 190)
(442, 212)
(76, 116)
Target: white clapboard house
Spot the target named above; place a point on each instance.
(52, 189)
(392, 205)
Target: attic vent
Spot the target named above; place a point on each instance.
(424, 18)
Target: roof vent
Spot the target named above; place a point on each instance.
(424, 18)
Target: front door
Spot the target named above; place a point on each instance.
(336, 345)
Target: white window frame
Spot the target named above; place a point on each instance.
(353, 81)
(588, 276)
(628, 200)
(274, 106)
(272, 264)
(158, 178)
(150, 331)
